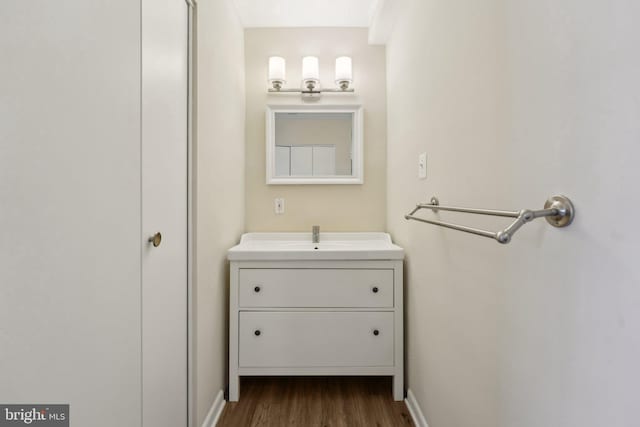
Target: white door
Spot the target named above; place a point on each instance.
(301, 160)
(70, 299)
(76, 326)
(324, 160)
(283, 160)
(164, 210)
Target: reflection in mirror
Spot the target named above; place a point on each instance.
(320, 145)
(313, 144)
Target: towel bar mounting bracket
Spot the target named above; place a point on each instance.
(565, 209)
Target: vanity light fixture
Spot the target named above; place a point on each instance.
(344, 73)
(310, 76)
(310, 73)
(277, 72)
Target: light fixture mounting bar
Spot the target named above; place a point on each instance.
(284, 90)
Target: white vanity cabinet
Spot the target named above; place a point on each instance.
(316, 317)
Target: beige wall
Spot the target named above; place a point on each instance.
(333, 207)
(517, 101)
(219, 171)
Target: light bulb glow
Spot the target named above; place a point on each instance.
(310, 68)
(276, 69)
(344, 70)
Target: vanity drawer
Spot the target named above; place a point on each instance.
(315, 339)
(339, 288)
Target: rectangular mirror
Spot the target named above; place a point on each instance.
(314, 144)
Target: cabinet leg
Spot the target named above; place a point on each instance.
(398, 387)
(234, 388)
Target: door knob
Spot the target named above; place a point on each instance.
(156, 239)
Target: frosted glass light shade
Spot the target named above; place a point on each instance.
(310, 69)
(344, 71)
(276, 69)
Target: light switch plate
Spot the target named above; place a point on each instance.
(278, 206)
(422, 166)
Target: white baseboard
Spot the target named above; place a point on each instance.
(216, 410)
(414, 409)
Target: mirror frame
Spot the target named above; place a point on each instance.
(357, 173)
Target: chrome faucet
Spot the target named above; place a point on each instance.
(315, 233)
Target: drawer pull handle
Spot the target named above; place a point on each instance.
(375, 289)
(376, 332)
(257, 289)
(257, 332)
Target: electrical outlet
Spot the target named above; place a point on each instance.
(422, 166)
(279, 206)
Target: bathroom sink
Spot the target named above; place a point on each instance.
(299, 246)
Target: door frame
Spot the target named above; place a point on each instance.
(191, 249)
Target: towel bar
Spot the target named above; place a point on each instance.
(558, 211)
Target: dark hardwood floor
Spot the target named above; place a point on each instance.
(315, 402)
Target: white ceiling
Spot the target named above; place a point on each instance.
(305, 13)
